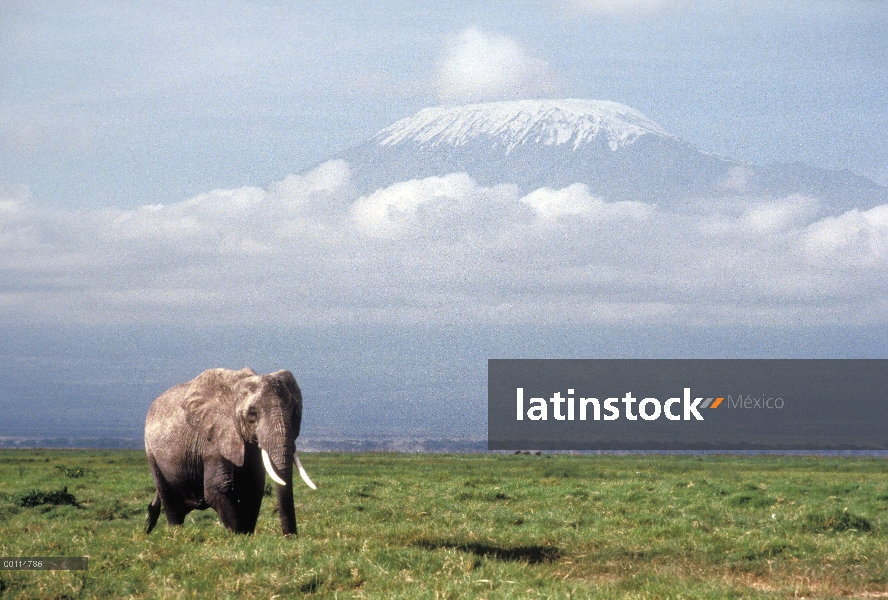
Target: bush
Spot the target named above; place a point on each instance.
(38, 498)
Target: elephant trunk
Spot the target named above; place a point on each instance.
(279, 465)
(286, 509)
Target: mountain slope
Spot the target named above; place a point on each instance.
(615, 150)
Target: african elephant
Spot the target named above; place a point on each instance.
(208, 439)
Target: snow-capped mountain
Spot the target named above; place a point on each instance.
(617, 151)
(572, 123)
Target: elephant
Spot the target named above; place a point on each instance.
(211, 440)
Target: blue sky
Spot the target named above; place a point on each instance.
(126, 104)
(162, 169)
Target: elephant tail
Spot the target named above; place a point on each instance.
(153, 514)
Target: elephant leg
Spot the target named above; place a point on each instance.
(153, 514)
(227, 509)
(249, 511)
(249, 502)
(175, 514)
(173, 504)
(219, 493)
(250, 484)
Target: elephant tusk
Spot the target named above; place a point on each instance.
(302, 472)
(267, 462)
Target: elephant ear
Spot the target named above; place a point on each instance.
(289, 382)
(210, 410)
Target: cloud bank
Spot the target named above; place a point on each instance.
(478, 65)
(308, 251)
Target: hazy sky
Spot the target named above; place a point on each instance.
(163, 160)
(125, 104)
(166, 204)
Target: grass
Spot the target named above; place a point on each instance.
(451, 526)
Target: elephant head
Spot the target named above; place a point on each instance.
(241, 414)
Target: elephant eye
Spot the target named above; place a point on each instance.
(252, 415)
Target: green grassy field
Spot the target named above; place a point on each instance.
(449, 526)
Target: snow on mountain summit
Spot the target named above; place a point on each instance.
(511, 124)
(614, 150)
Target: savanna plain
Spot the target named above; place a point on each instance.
(473, 525)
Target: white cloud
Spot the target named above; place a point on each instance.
(391, 210)
(576, 201)
(329, 179)
(854, 239)
(479, 65)
(435, 207)
(772, 217)
(441, 250)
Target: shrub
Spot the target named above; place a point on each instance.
(38, 497)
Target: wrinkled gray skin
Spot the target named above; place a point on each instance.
(204, 440)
